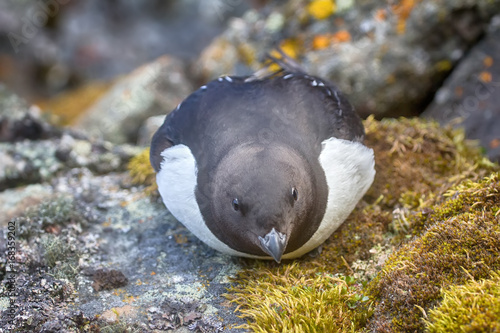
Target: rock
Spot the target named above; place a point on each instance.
(18, 121)
(30, 162)
(470, 97)
(153, 89)
(42, 59)
(148, 129)
(388, 59)
(14, 202)
(107, 280)
(129, 242)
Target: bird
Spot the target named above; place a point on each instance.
(263, 166)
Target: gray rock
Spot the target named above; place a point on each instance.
(28, 162)
(148, 129)
(153, 89)
(385, 71)
(171, 274)
(18, 121)
(14, 202)
(96, 40)
(470, 97)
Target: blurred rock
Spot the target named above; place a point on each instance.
(32, 151)
(94, 39)
(30, 162)
(153, 89)
(18, 121)
(388, 59)
(470, 97)
(14, 202)
(148, 129)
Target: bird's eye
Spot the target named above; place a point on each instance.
(236, 204)
(295, 193)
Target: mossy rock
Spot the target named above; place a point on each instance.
(461, 240)
(423, 170)
(473, 307)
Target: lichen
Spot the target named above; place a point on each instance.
(461, 240)
(71, 105)
(473, 307)
(49, 216)
(60, 256)
(321, 9)
(142, 172)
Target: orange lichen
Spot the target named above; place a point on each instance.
(485, 77)
(341, 36)
(68, 106)
(381, 14)
(321, 42)
(488, 61)
(403, 10)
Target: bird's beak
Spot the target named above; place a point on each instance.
(274, 244)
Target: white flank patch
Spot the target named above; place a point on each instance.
(349, 170)
(176, 184)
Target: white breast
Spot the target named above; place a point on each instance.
(349, 170)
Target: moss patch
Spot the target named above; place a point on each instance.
(417, 162)
(461, 240)
(473, 307)
(286, 299)
(142, 173)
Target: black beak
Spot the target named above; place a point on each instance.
(274, 244)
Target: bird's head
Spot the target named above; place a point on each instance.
(262, 200)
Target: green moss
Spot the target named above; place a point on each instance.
(142, 173)
(288, 299)
(417, 160)
(461, 239)
(473, 307)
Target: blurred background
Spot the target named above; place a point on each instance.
(50, 46)
(83, 61)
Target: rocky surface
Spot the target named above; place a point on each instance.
(470, 97)
(94, 40)
(19, 121)
(153, 89)
(389, 59)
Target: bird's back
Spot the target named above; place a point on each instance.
(290, 108)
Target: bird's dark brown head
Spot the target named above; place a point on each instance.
(264, 200)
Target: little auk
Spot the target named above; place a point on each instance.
(264, 166)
